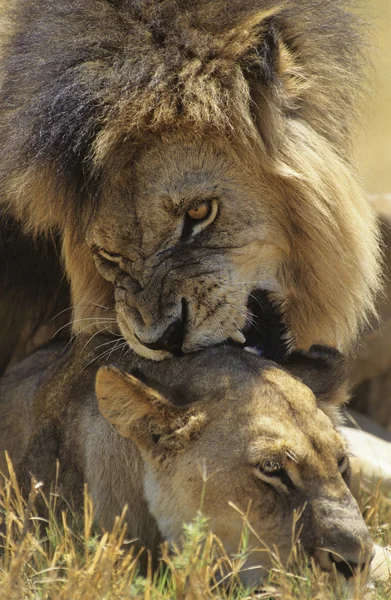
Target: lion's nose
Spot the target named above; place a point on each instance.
(173, 336)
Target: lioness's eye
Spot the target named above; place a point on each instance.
(343, 464)
(344, 469)
(273, 474)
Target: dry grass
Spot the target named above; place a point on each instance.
(65, 557)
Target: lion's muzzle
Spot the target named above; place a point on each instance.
(173, 336)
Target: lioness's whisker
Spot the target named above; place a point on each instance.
(243, 570)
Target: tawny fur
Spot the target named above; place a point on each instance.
(116, 116)
(164, 441)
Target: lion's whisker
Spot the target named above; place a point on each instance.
(95, 334)
(117, 347)
(105, 353)
(77, 333)
(111, 342)
(239, 310)
(95, 304)
(78, 306)
(94, 359)
(94, 319)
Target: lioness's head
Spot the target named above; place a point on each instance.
(252, 442)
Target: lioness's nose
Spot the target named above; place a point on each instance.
(348, 564)
(172, 338)
(349, 568)
(345, 542)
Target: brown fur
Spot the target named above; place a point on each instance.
(118, 116)
(162, 438)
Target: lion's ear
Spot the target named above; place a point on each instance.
(273, 71)
(257, 45)
(254, 43)
(140, 412)
(324, 370)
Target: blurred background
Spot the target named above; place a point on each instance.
(374, 148)
(371, 369)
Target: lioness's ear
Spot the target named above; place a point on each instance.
(323, 369)
(140, 412)
(124, 399)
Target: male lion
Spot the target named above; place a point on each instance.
(161, 438)
(191, 163)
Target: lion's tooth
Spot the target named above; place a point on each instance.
(251, 350)
(238, 337)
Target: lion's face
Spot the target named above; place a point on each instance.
(201, 154)
(188, 238)
(255, 449)
(197, 239)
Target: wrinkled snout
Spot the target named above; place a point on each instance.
(173, 336)
(156, 319)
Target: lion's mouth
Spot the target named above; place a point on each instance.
(266, 334)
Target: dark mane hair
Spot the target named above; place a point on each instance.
(77, 77)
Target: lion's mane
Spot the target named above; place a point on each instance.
(282, 78)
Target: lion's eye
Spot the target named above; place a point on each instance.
(199, 217)
(110, 256)
(201, 212)
(271, 472)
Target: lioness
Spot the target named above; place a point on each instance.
(191, 162)
(221, 425)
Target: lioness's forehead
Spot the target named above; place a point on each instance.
(267, 386)
(286, 402)
(272, 405)
(277, 417)
(276, 384)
